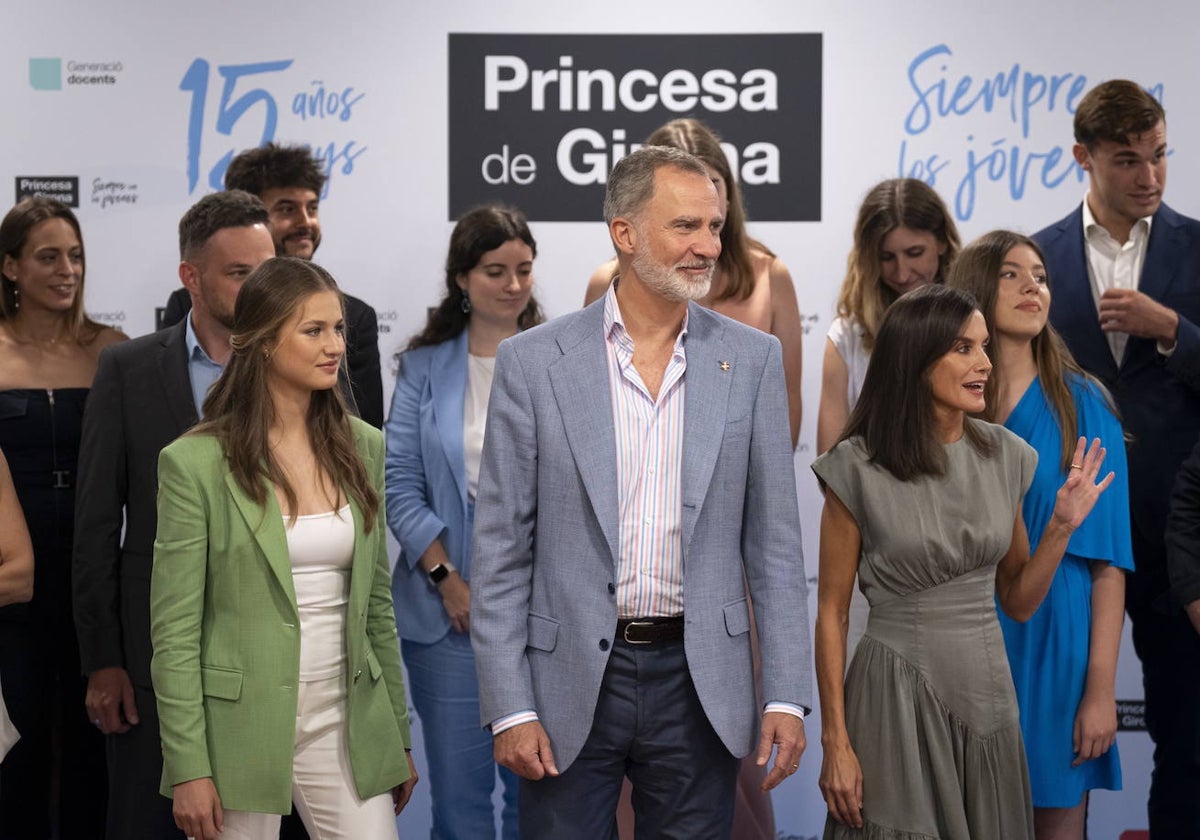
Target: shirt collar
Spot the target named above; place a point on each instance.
(1090, 224)
(194, 348)
(613, 319)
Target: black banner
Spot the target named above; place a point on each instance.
(539, 120)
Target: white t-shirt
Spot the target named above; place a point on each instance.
(847, 337)
(480, 370)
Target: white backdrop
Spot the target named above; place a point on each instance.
(151, 117)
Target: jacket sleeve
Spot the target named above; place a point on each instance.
(771, 546)
(1183, 533)
(409, 515)
(102, 488)
(177, 586)
(502, 558)
(362, 358)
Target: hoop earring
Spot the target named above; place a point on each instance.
(466, 304)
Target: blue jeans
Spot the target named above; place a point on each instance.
(462, 770)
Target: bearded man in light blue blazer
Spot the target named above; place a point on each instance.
(637, 478)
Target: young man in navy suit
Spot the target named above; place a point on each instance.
(1125, 270)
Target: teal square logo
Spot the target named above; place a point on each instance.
(45, 73)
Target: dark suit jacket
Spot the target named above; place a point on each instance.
(141, 400)
(1159, 397)
(365, 390)
(1183, 533)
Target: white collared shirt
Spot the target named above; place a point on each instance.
(1112, 264)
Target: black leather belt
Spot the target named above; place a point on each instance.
(650, 631)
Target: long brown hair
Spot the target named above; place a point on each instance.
(895, 414)
(693, 136)
(14, 234)
(239, 408)
(900, 202)
(977, 270)
(477, 231)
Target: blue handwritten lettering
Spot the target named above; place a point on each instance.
(322, 104)
(229, 111)
(1011, 161)
(1022, 91)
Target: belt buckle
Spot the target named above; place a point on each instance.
(628, 640)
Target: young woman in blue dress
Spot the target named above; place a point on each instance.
(1064, 658)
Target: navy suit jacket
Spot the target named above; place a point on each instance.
(1158, 396)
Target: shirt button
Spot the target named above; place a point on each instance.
(357, 674)
(604, 644)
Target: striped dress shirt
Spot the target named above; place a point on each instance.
(649, 438)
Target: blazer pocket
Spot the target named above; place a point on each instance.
(737, 617)
(224, 683)
(542, 632)
(739, 427)
(373, 666)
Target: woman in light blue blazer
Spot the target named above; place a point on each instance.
(434, 438)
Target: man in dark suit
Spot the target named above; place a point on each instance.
(146, 393)
(289, 181)
(1125, 270)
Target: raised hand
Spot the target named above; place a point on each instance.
(1076, 498)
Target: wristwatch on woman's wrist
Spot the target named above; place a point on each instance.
(440, 572)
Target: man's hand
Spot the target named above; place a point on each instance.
(786, 731)
(109, 700)
(1133, 312)
(402, 792)
(525, 750)
(197, 809)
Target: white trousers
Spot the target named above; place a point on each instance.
(322, 784)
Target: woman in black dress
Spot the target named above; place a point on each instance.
(48, 356)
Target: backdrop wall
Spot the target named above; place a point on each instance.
(132, 108)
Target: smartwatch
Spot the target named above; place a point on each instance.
(440, 572)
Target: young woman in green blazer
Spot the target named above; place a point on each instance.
(276, 665)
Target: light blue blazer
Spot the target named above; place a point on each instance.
(543, 596)
(426, 478)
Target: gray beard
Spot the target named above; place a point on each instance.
(669, 281)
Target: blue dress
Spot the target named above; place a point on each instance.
(1049, 653)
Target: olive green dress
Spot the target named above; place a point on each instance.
(930, 706)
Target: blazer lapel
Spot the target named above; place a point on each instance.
(265, 522)
(1073, 306)
(580, 384)
(711, 367)
(362, 570)
(1164, 254)
(175, 378)
(448, 385)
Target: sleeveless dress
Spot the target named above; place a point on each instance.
(930, 707)
(1049, 653)
(39, 653)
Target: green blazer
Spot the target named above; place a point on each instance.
(226, 634)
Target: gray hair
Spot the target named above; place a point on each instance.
(631, 182)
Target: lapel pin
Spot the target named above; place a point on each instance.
(724, 365)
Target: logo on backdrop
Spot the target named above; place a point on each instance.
(47, 73)
(1015, 125)
(539, 120)
(1131, 715)
(250, 97)
(64, 188)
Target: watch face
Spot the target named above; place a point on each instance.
(439, 573)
